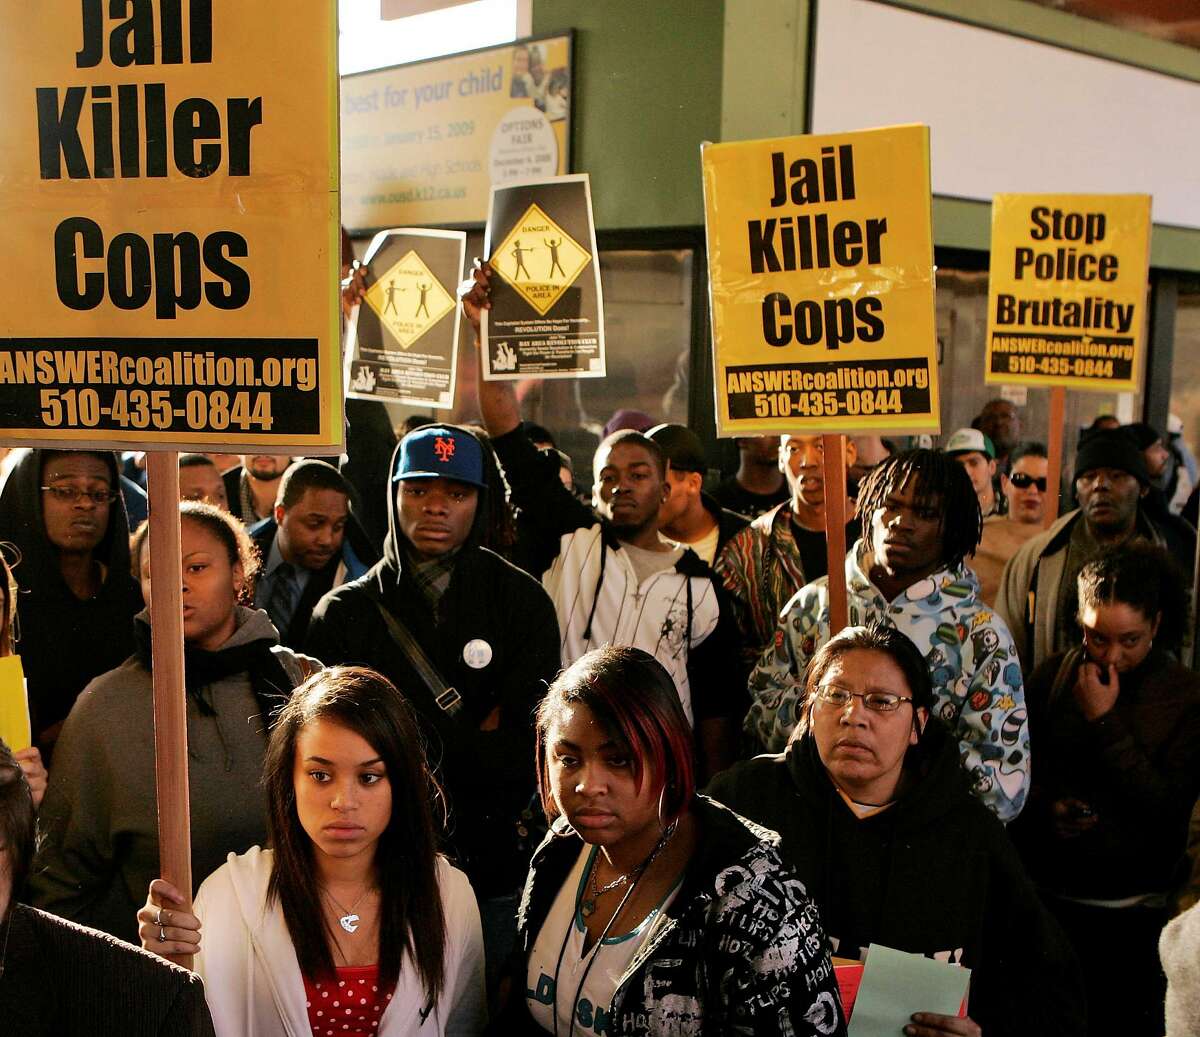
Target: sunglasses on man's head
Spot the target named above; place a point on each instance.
(1022, 481)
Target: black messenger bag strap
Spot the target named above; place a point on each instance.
(448, 700)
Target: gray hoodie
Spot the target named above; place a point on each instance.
(99, 823)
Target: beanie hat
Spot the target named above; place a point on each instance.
(637, 420)
(1143, 435)
(1111, 448)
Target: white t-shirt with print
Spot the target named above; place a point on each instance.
(563, 934)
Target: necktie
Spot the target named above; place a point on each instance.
(285, 596)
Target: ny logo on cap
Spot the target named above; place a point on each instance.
(444, 448)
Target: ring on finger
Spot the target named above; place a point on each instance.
(158, 918)
(162, 935)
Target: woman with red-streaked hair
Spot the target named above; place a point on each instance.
(649, 908)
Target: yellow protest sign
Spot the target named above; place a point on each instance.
(820, 257)
(14, 706)
(1067, 290)
(423, 143)
(169, 198)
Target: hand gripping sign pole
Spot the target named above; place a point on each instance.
(170, 702)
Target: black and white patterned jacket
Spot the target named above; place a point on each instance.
(739, 951)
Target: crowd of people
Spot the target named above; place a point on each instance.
(467, 752)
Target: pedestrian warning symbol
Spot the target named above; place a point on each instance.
(539, 259)
(409, 300)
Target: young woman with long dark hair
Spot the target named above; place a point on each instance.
(649, 909)
(351, 925)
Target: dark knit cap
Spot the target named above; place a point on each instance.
(1143, 435)
(1111, 448)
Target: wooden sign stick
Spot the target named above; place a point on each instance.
(170, 701)
(834, 450)
(1058, 409)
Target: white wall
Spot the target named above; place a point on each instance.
(1007, 114)
(368, 41)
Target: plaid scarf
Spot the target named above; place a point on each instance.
(432, 576)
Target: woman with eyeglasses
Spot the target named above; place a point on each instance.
(649, 909)
(1118, 747)
(876, 816)
(64, 513)
(99, 820)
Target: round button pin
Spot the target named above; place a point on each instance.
(477, 653)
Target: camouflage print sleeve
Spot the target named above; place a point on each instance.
(774, 685)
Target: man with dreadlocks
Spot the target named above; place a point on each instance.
(920, 520)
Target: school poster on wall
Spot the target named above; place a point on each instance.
(169, 198)
(1067, 290)
(402, 339)
(820, 255)
(547, 314)
(423, 143)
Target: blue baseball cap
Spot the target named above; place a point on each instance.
(438, 452)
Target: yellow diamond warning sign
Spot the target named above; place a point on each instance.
(539, 259)
(409, 300)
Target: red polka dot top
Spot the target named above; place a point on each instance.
(349, 1006)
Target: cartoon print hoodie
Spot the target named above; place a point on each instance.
(977, 682)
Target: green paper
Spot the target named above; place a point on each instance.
(896, 984)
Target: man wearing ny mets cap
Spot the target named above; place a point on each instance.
(1037, 597)
(488, 630)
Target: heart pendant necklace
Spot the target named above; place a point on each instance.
(348, 919)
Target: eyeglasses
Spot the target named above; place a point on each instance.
(73, 494)
(1022, 481)
(877, 701)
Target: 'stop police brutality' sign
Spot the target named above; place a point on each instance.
(821, 271)
(168, 189)
(1067, 290)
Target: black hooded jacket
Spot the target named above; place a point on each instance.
(489, 775)
(934, 874)
(65, 642)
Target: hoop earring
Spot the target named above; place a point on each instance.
(662, 823)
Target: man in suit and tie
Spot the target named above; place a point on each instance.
(310, 545)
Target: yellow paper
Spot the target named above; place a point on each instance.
(169, 199)
(820, 256)
(1067, 290)
(14, 706)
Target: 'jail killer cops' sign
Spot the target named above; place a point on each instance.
(168, 188)
(136, 131)
(821, 265)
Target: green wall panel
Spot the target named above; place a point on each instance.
(647, 92)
